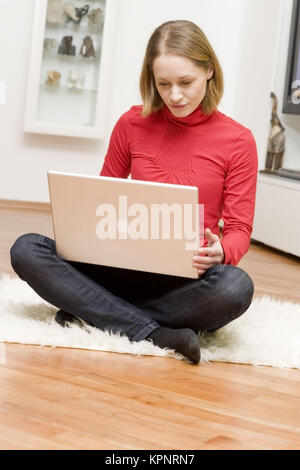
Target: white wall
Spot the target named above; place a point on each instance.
(249, 40)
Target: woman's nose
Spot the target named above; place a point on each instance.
(175, 95)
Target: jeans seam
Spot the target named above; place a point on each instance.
(107, 296)
(179, 290)
(141, 335)
(41, 241)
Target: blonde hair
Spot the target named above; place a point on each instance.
(183, 38)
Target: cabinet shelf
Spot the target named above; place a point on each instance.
(283, 173)
(63, 89)
(73, 27)
(78, 58)
(280, 181)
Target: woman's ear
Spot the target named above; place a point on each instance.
(210, 72)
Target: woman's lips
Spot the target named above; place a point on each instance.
(179, 106)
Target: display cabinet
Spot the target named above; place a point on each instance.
(70, 67)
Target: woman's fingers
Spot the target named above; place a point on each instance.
(203, 267)
(205, 260)
(201, 271)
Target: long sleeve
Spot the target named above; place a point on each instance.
(117, 162)
(239, 198)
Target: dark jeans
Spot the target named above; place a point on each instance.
(133, 303)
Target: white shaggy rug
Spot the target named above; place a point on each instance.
(267, 334)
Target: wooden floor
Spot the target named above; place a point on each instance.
(52, 398)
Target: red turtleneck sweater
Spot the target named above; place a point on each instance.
(213, 152)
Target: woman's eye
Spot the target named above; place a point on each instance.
(183, 83)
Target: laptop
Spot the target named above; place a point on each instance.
(124, 223)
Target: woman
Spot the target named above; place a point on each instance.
(177, 136)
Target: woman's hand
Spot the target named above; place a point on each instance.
(209, 256)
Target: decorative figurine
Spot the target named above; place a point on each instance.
(50, 44)
(66, 46)
(296, 96)
(75, 79)
(276, 141)
(87, 48)
(58, 11)
(53, 77)
(80, 13)
(95, 17)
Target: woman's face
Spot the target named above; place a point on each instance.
(180, 82)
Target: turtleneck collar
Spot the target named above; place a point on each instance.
(194, 119)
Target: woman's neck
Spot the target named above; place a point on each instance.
(193, 119)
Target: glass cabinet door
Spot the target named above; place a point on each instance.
(71, 82)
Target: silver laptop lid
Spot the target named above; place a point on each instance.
(124, 223)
